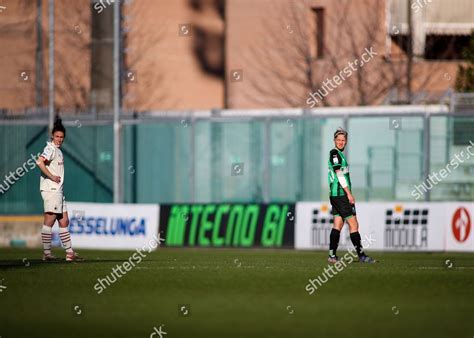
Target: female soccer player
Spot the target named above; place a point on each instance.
(342, 201)
(51, 164)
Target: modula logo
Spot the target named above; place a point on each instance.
(406, 228)
(461, 224)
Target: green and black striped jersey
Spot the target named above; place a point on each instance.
(337, 161)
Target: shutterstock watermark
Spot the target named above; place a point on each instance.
(419, 4)
(100, 5)
(128, 265)
(349, 256)
(156, 331)
(21, 171)
(328, 85)
(420, 190)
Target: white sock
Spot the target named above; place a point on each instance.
(66, 239)
(46, 239)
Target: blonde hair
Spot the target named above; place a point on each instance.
(340, 131)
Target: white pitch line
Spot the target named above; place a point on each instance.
(446, 268)
(192, 268)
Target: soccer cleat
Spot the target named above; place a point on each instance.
(333, 259)
(73, 257)
(366, 259)
(49, 258)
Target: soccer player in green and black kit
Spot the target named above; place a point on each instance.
(342, 201)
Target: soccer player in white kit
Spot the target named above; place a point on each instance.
(51, 164)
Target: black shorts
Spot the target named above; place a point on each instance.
(342, 207)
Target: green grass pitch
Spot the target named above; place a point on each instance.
(236, 293)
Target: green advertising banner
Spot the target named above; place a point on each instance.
(228, 225)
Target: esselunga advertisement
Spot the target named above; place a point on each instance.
(112, 226)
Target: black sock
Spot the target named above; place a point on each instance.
(356, 240)
(333, 241)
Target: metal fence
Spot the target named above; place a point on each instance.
(247, 156)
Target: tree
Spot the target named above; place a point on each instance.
(465, 76)
(284, 67)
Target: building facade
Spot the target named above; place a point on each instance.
(204, 54)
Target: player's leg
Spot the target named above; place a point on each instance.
(348, 212)
(46, 235)
(334, 236)
(46, 230)
(356, 239)
(355, 235)
(64, 235)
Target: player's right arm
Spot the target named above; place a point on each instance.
(45, 157)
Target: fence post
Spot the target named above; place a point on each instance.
(192, 167)
(426, 150)
(117, 125)
(266, 161)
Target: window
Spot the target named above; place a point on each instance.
(437, 47)
(317, 43)
(463, 129)
(445, 47)
(102, 54)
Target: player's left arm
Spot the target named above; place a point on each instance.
(336, 161)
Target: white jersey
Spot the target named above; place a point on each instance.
(55, 164)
